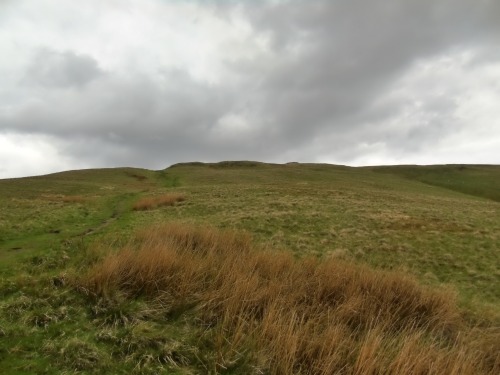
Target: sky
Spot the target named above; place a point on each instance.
(150, 83)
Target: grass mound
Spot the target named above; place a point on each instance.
(262, 311)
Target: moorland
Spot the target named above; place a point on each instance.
(252, 268)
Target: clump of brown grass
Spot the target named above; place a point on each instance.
(294, 316)
(65, 198)
(150, 203)
(74, 199)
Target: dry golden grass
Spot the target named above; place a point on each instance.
(74, 199)
(150, 203)
(64, 198)
(292, 316)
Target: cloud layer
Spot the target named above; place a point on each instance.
(150, 83)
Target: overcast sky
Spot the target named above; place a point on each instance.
(148, 83)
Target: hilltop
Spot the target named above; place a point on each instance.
(78, 293)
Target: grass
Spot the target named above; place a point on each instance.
(74, 199)
(429, 234)
(387, 221)
(150, 203)
(282, 315)
(478, 180)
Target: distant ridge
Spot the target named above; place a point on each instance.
(480, 180)
(223, 164)
(249, 163)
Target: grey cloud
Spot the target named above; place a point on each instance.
(353, 51)
(325, 87)
(136, 119)
(131, 106)
(51, 68)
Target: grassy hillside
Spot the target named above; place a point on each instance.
(478, 180)
(69, 304)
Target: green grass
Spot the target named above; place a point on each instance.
(440, 223)
(382, 219)
(478, 180)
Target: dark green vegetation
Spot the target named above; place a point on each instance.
(479, 180)
(440, 223)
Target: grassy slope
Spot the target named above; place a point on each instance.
(440, 223)
(382, 219)
(479, 180)
(39, 212)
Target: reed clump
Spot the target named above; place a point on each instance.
(295, 316)
(74, 199)
(150, 203)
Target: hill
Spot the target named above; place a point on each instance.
(70, 304)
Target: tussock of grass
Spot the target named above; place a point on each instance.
(287, 316)
(74, 199)
(64, 198)
(151, 203)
